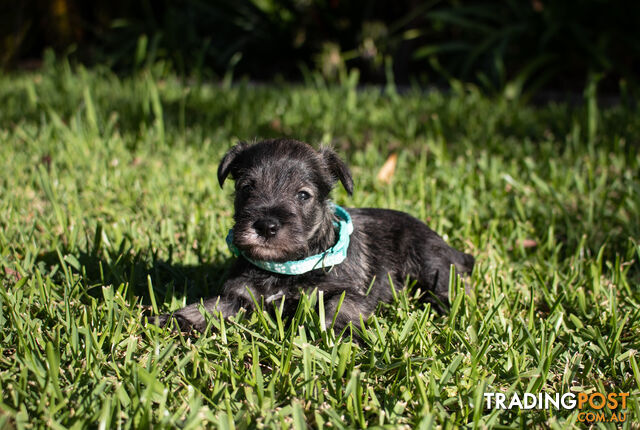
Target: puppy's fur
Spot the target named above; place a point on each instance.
(282, 213)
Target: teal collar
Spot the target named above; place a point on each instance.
(332, 256)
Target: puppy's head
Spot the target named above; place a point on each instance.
(282, 188)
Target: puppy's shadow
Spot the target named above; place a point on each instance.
(122, 264)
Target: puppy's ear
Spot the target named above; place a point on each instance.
(338, 168)
(228, 160)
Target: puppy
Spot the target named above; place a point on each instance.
(289, 238)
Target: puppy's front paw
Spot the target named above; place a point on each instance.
(181, 323)
(160, 320)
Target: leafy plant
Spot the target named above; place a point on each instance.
(513, 48)
(513, 45)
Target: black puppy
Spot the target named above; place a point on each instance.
(289, 237)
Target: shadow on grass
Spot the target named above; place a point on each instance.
(170, 280)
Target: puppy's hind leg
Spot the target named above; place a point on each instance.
(349, 310)
(433, 277)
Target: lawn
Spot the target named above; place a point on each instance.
(110, 210)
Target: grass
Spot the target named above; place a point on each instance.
(110, 208)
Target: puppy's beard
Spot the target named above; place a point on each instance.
(279, 248)
(295, 239)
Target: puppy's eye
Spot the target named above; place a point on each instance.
(303, 196)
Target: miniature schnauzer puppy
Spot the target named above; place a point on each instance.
(283, 216)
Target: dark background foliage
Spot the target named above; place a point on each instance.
(508, 46)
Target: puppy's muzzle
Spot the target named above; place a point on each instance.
(267, 227)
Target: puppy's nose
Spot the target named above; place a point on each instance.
(267, 227)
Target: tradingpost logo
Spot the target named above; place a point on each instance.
(593, 407)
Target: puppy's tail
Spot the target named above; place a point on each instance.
(464, 267)
(468, 263)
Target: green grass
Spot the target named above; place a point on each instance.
(110, 208)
